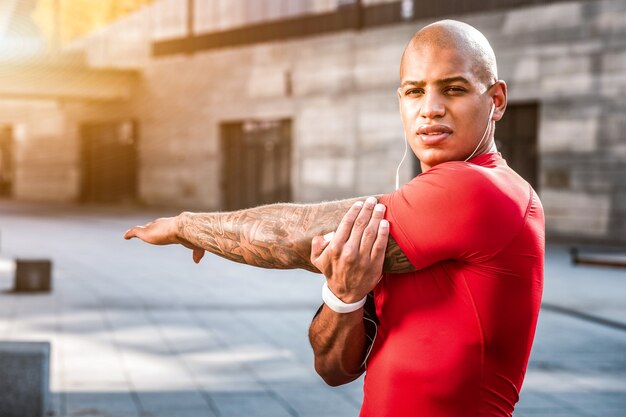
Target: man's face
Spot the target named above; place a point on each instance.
(444, 105)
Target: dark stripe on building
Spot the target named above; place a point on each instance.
(353, 16)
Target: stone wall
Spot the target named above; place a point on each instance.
(339, 91)
(571, 58)
(568, 57)
(45, 161)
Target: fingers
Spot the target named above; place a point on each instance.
(133, 232)
(318, 244)
(371, 231)
(379, 246)
(361, 223)
(158, 232)
(197, 255)
(345, 226)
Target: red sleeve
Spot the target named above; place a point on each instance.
(453, 211)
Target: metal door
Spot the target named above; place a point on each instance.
(256, 163)
(109, 162)
(516, 138)
(6, 161)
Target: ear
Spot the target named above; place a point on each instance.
(498, 96)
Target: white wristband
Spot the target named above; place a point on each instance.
(334, 303)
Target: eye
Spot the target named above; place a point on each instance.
(413, 91)
(454, 90)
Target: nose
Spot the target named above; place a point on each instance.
(432, 106)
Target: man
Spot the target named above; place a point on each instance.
(460, 296)
(455, 335)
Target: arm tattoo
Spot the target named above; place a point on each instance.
(395, 260)
(276, 236)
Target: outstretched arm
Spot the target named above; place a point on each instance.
(275, 236)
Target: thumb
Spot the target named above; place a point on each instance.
(318, 244)
(198, 254)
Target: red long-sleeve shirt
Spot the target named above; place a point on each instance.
(455, 336)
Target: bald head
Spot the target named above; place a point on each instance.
(455, 35)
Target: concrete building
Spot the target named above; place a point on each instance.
(223, 104)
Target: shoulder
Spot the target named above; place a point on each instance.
(459, 181)
(488, 195)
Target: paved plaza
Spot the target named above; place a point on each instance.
(142, 331)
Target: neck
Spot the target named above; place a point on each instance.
(492, 148)
(488, 148)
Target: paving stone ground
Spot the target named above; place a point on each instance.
(142, 331)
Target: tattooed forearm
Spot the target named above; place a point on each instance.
(276, 236)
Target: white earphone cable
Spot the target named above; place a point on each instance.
(406, 148)
(493, 108)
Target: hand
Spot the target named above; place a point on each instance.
(352, 259)
(163, 231)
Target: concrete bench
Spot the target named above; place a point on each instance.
(33, 275)
(24, 379)
(612, 257)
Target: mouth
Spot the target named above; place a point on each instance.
(433, 134)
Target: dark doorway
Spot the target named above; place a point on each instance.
(256, 166)
(109, 162)
(516, 139)
(6, 161)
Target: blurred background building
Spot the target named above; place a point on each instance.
(224, 104)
